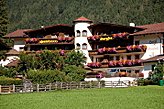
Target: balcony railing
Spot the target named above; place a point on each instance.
(59, 40)
(105, 37)
(120, 63)
(114, 50)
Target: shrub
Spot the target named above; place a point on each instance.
(8, 72)
(9, 81)
(45, 76)
(74, 73)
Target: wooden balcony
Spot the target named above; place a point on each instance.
(118, 51)
(50, 41)
(112, 64)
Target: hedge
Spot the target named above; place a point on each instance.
(9, 81)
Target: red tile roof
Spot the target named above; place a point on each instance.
(12, 52)
(50, 27)
(17, 34)
(150, 29)
(154, 59)
(82, 19)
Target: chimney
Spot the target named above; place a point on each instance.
(132, 24)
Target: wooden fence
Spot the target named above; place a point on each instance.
(61, 86)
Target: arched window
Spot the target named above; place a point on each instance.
(78, 33)
(84, 33)
(84, 46)
(77, 46)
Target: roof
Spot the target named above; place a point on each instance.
(49, 27)
(13, 63)
(106, 26)
(82, 19)
(17, 34)
(154, 59)
(150, 29)
(12, 52)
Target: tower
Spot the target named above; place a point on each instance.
(81, 32)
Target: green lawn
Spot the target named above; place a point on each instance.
(145, 97)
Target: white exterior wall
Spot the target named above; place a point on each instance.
(148, 68)
(18, 43)
(81, 40)
(153, 43)
(17, 47)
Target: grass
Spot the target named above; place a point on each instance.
(145, 97)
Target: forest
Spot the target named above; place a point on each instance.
(35, 13)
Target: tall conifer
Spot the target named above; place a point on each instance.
(3, 18)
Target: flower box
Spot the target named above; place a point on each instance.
(93, 53)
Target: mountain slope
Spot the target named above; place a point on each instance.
(34, 13)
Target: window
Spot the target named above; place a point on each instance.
(78, 33)
(84, 33)
(137, 56)
(137, 42)
(152, 67)
(128, 57)
(77, 46)
(84, 46)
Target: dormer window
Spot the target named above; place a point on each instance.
(78, 33)
(84, 46)
(77, 46)
(84, 33)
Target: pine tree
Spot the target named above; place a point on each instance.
(3, 18)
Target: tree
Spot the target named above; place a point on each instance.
(158, 73)
(74, 73)
(3, 18)
(75, 58)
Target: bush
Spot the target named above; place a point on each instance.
(144, 82)
(74, 73)
(8, 72)
(45, 76)
(9, 81)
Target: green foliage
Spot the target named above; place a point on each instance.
(45, 76)
(26, 62)
(3, 17)
(75, 58)
(158, 73)
(8, 72)
(9, 81)
(74, 73)
(34, 13)
(5, 45)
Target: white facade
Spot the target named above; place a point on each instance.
(81, 41)
(154, 48)
(19, 43)
(148, 68)
(153, 43)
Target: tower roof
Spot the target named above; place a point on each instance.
(82, 19)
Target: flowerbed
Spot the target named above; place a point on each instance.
(124, 63)
(137, 48)
(106, 37)
(42, 41)
(106, 50)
